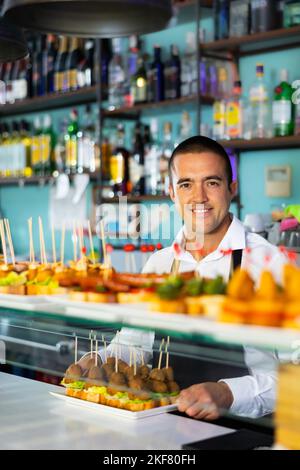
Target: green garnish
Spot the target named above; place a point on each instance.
(215, 286)
(194, 287)
(100, 289)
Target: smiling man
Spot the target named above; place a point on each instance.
(202, 188)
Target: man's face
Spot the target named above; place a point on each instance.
(200, 191)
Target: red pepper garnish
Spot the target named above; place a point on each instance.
(129, 248)
(248, 251)
(159, 246)
(226, 252)
(83, 250)
(292, 256)
(144, 248)
(109, 248)
(283, 250)
(151, 248)
(267, 259)
(177, 248)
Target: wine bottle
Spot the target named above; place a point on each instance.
(60, 82)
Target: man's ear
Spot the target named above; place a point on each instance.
(171, 192)
(234, 188)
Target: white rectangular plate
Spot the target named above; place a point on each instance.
(109, 410)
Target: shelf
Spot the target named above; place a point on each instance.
(257, 43)
(134, 110)
(136, 316)
(188, 3)
(50, 102)
(134, 199)
(263, 144)
(37, 180)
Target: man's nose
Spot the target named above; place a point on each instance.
(199, 193)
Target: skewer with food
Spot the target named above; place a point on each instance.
(132, 387)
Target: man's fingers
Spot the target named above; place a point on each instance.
(200, 408)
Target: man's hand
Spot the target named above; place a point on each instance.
(204, 401)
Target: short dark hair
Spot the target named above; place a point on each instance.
(201, 144)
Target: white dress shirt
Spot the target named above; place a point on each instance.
(255, 394)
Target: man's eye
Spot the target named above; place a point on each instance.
(184, 185)
(213, 183)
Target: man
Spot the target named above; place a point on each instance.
(202, 188)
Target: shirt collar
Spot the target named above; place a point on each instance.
(234, 239)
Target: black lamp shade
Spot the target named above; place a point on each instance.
(90, 18)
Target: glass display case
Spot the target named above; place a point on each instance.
(41, 341)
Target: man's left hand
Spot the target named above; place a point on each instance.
(204, 401)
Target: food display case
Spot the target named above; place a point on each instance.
(39, 341)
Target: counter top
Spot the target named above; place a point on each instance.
(33, 419)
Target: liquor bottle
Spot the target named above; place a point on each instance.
(139, 84)
(221, 12)
(152, 158)
(60, 148)
(19, 80)
(234, 113)
(48, 143)
(106, 58)
(239, 18)
(185, 128)
(41, 66)
(106, 152)
(116, 76)
(172, 73)
(85, 73)
(26, 142)
(155, 76)
(291, 13)
(50, 62)
(71, 143)
(283, 109)
(5, 145)
(131, 70)
(35, 69)
(167, 149)
(2, 84)
(189, 67)
(219, 107)
(30, 59)
(8, 82)
(136, 163)
(261, 123)
(264, 15)
(86, 143)
(72, 63)
(17, 151)
(36, 148)
(119, 164)
(60, 79)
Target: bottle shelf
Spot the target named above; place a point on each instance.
(88, 95)
(187, 3)
(37, 180)
(160, 104)
(256, 43)
(50, 102)
(263, 144)
(135, 199)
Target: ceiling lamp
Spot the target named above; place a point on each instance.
(12, 42)
(90, 18)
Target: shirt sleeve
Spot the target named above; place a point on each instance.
(254, 395)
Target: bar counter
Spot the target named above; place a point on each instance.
(33, 419)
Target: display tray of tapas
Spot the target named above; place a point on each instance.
(113, 411)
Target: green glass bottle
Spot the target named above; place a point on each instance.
(71, 143)
(283, 108)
